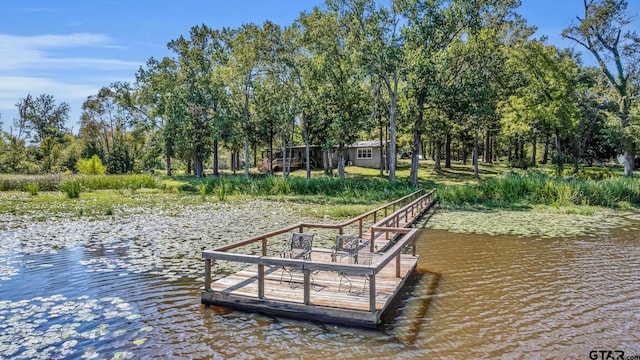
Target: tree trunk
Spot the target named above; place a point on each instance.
(382, 159)
(271, 152)
(447, 152)
(233, 162)
(255, 154)
(393, 93)
(307, 148)
(534, 148)
(169, 170)
(464, 153)
(476, 140)
(560, 157)
(629, 160)
(415, 148)
(216, 163)
(341, 161)
(197, 167)
(545, 153)
(284, 156)
(436, 156)
(487, 148)
(246, 154)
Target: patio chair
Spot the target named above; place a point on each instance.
(346, 246)
(364, 258)
(299, 247)
(355, 250)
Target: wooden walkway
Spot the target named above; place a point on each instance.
(319, 289)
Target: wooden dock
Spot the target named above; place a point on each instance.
(321, 288)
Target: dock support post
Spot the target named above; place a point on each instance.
(307, 286)
(413, 246)
(360, 225)
(264, 246)
(260, 281)
(372, 293)
(398, 266)
(207, 274)
(373, 240)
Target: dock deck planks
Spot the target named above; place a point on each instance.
(326, 288)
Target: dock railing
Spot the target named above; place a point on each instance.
(397, 215)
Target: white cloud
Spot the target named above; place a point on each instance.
(69, 67)
(36, 52)
(14, 88)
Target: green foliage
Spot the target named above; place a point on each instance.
(350, 189)
(221, 191)
(119, 159)
(92, 166)
(119, 182)
(44, 182)
(536, 188)
(590, 173)
(32, 188)
(202, 189)
(71, 188)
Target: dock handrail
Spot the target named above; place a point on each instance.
(390, 224)
(340, 226)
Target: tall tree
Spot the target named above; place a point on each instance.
(602, 30)
(374, 34)
(431, 26)
(341, 91)
(199, 91)
(240, 72)
(156, 83)
(41, 117)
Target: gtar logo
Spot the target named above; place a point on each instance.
(606, 355)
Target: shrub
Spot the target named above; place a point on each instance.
(222, 190)
(71, 188)
(202, 189)
(32, 188)
(92, 166)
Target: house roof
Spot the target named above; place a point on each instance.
(371, 143)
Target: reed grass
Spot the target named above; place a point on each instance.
(32, 188)
(351, 189)
(536, 188)
(72, 188)
(18, 183)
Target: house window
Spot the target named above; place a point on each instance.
(365, 153)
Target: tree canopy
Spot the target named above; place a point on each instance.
(439, 79)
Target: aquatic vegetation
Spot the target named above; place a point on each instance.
(539, 223)
(360, 189)
(536, 188)
(44, 182)
(202, 190)
(28, 329)
(71, 188)
(32, 188)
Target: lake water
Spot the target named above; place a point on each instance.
(477, 296)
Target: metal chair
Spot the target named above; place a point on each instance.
(346, 246)
(355, 250)
(299, 247)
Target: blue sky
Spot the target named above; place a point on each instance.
(72, 48)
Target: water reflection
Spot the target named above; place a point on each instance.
(475, 296)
